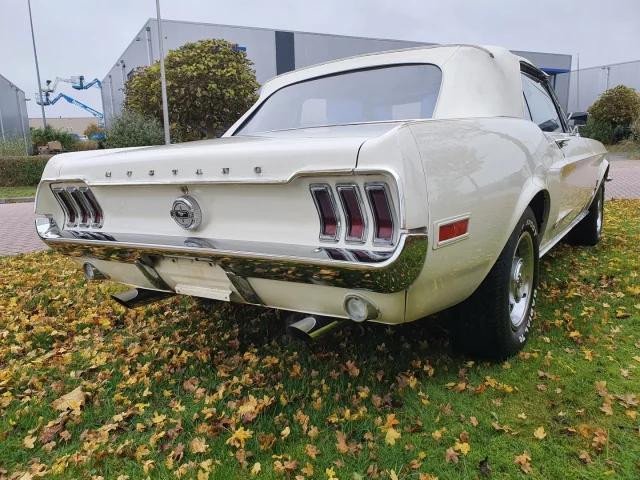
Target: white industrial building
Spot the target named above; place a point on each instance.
(14, 122)
(276, 51)
(594, 81)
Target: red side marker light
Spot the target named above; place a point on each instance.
(453, 230)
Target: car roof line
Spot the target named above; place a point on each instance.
(421, 47)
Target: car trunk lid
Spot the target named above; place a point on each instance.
(260, 159)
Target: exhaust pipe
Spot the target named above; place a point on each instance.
(140, 296)
(312, 327)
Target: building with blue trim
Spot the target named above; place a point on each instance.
(277, 51)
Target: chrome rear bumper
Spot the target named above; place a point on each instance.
(360, 270)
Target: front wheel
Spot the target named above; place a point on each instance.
(495, 321)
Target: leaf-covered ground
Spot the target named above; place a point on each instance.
(90, 390)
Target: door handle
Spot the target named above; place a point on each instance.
(561, 142)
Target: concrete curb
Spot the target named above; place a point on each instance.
(18, 200)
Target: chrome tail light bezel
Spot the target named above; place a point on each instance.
(316, 188)
(381, 186)
(80, 207)
(97, 218)
(352, 187)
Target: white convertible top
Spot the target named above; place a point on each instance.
(477, 81)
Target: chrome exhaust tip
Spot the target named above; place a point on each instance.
(312, 327)
(93, 273)
(140, 296)
(360, 308)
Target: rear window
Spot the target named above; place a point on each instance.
(390, 93)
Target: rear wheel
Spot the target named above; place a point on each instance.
(589, 231)
(496, 320)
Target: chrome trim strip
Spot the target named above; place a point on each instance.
(340, 187)
(323, 187)
(368, 187)
(561, 235)
(248, 181)
(394, 274)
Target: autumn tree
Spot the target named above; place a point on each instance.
(93, 128)
(210, 84)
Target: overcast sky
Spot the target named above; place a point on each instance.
(87, 37)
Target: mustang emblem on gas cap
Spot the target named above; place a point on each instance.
(186, 212)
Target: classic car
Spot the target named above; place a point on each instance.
(381, 188)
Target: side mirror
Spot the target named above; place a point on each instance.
(578, 119)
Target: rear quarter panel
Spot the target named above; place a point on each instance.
(488, 169)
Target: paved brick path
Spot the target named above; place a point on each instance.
(626, 179)
(17, 229)
(18, 235)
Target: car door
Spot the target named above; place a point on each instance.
(576, 186)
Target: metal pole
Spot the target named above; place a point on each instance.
(1, 124)
(24, 135)
(35, 54)
(578, 87)
(165, 109)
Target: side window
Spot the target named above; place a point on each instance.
(542, 110)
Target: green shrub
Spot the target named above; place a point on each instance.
(621, 133)
(40, 137)
(131, 129)
(635, 130)
(13, 146)
(600, 131)
(84, 146)
(22, 171)
(618, 106)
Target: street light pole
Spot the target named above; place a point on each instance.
(35, 54)
(165, 109)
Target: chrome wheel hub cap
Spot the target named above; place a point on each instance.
(521, 281)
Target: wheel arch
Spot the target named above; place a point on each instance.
(538, 198)
(540, 204)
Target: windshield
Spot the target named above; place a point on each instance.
(389, 93)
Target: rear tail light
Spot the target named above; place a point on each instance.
(68, 205)
(80, 207)
(327, 212)
(354, 213)
(96, 210)
(382, 210)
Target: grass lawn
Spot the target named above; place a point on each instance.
(13, 192)
(172, 391)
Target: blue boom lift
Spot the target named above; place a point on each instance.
(78, 84)
(46, 101)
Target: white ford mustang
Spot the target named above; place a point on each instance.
(383, 188)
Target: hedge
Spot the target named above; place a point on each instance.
(22, 171)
